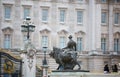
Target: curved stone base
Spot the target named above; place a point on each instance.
(70, 71)
(81, 74)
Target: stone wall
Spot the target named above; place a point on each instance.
(82, 74)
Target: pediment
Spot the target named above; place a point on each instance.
(7, 29)
(80, 32)
(62, 31)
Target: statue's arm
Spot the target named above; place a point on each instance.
(75, 47)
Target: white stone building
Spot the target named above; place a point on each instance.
(94, 25)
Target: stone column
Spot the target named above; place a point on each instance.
(94, 26)
(92, 39)
(94, 35)
(110, 29)
(98, 26)
(27, 71)
(29, 60)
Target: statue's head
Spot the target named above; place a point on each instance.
(70, 37)
(51, 54)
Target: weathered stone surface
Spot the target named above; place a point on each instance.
(81, 74)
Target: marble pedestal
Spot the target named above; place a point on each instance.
(82, 74)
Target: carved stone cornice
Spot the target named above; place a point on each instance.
(7, 30)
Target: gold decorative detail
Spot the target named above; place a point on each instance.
(9, 52)
(8, 66)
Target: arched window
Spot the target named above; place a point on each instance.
(45, 37)
(80, 35)
(7, 42)
(62, 33)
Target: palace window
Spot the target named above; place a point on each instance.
(62, 16)
(45, 15)
(116, 18)
(103, 44)
(103, 1)
(79, 1)
(116, 45)
(79, 44)
(103, 17)
(7, 12)
(7, 41)
(24, 37)
(80, 17)
(62, 42)
(26, 12)
(44, 41)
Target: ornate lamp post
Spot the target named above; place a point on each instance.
(29, 51)
(44, 61)
(27, 27)
(45, 65)
(29, 48)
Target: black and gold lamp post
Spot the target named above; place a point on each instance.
(29, 49)
(28, 27)
(45, 64)
(44, 60)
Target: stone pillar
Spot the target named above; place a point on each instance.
(98, 26)
(94, 26)
(29, 60)
(45, 70)
(110, 24)
(92, 39)
(27, 70)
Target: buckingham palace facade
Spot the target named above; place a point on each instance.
(94, 25)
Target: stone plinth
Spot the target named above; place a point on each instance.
(82, 74)
(45, 70)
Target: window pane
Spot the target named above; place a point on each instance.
(79, 17)
(103, 1)
(7, 41)
(26, 12)
(24, 37)
(45, 15)
(104, 17)
(62, 42)
(62, 15)
(116, 45)
(44, 41)
(103, 44)
(116, 19)
(80, 0)
(79, 44)
(7, 12)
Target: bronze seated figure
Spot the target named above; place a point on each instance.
(66, 57)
